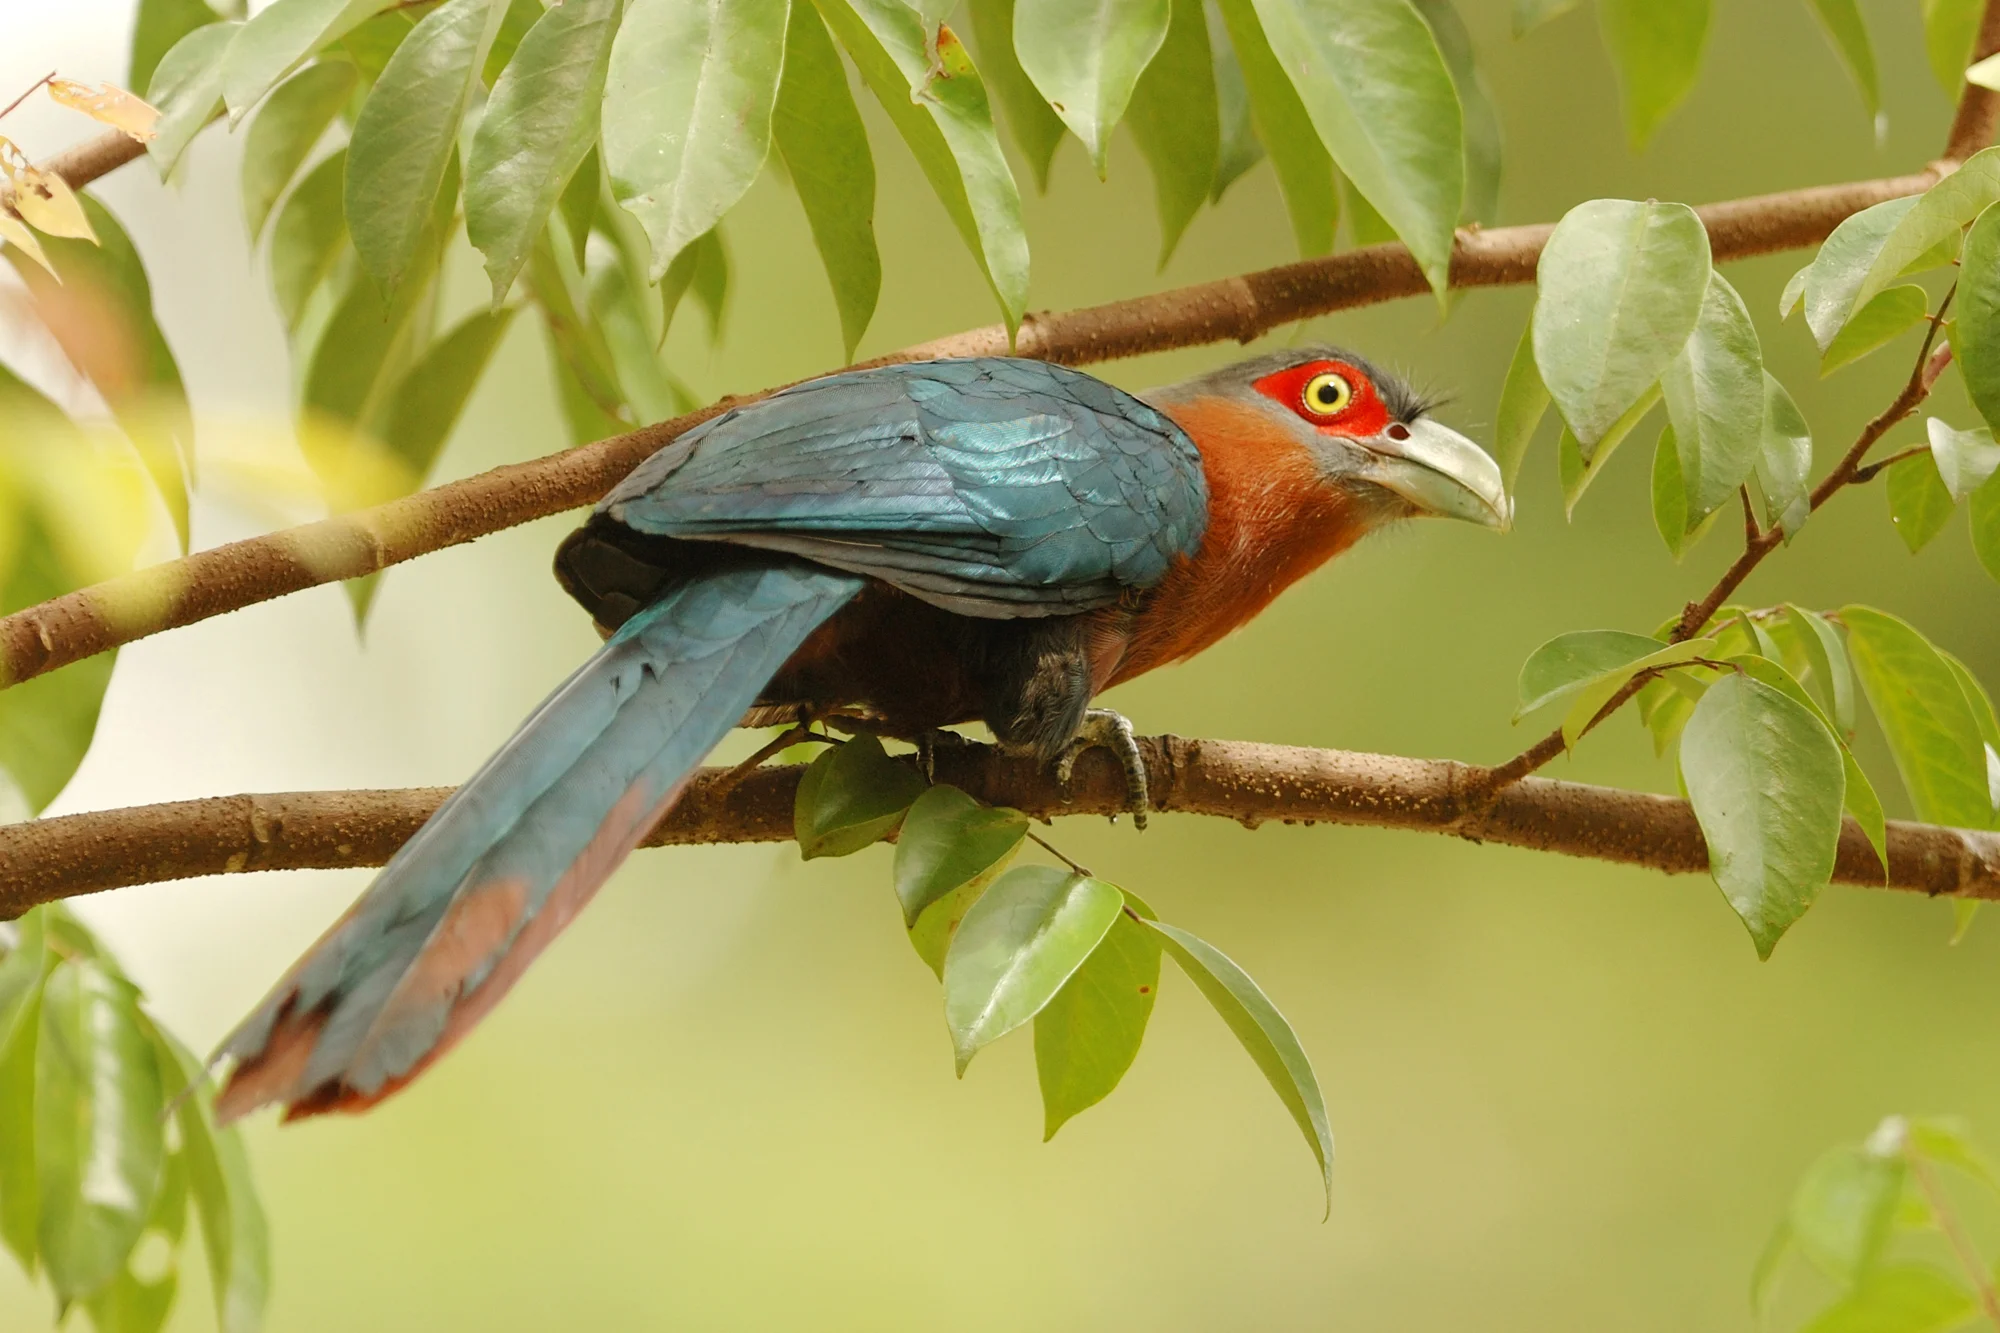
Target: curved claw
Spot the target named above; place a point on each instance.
(1111, 731)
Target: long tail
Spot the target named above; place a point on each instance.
(463, 908)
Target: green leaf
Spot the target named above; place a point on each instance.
(307, 238)
(1570, 661)
(949, 842)
(1859, 798)
(98, 1141)
(1937, 216)
(186, 90)
(1919, 504)
(1670, 516)
(1619, 290)
(233, 1229)
(1784, 461)
(1240, 149)
(1664, 708)
(1371, 78)
(586, 386)
(851, 797)
(521, 17)
(20, 1194)
(1176, 123)
(1364, 225)
(1984, 511)
(1577, 469)
(280, 36)
(1036, 128)
(538, 127)
(1950, 29)
(406, 133)
(285, 131)
(364, 346)
(1532, 14)
(1946, 1140)
(1767, 781)
(818, 130)
(703, 269)
(627, 313)
(1964, 458)
(371, 43)
(428, 401)
(157, 27)
(1597, 692)
(1794, 294)
(1849, 35)
(1085, 58)
(1898, 1298)
(1845, 1208)
(124, 355)
(1524, 400)
(1286, 130)
(1984, 718)
(1016, 947)
(1482, 122)
(687, 113)
(938, 104)
(1264, 1033)
(1976, 337)
(1832, 672)
(579, 200)
(1656, 46)
(1714, 391)
(1834, 278)
(1089, 1034)
(1884, 319)
(1924, 714)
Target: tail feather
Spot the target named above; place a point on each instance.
(458, 914)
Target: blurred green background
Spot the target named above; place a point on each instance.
(1564, 1094)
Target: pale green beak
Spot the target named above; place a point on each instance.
(1440, 472)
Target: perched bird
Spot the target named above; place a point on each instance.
(909, 547)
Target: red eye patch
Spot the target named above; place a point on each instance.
(1330, 395)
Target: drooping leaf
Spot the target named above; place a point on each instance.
(818, 129)
(1929, 725)
(1089, 1034)
(406, 134)
(1524, 400)
(20, 1025)
(1976, 337)
(1670, 516)
(1567, 662)
(98, 1141)
(1035, 127)
(1950, 29)
(432, 395)
(1984, 513)
(1832, 672)
(587, 388)
(233, 1229)
(284, 132)
(308, 237)
(1937, 216)
(156, 28)
(1858, 798)
(1919, 504)
(1794, 294)
(1532, 14)
(1595, 693)
(280, 36)
(1898, 1298)
(539, 125)
(1371, 78)
(949, 128)
(950, 841)
(703, 270)
(1026, 936)
(1848, 32)
(1884, 319)
(851, 797)
(1364, 225)
(1784, 461)
(520, 18)
(1656, 46)
(1264, 1033)
(1767, 781)
(1482, 122)
(1834, 278)
(577, 205)
(1964, 458)
(1714, 391)
(1286, 130)
(1085, 58)
(187, 89)
(1619, 290)
(371, 43)
(1577, 466)
(1240, 149)
(1176, 122)
(1985, 719)
(1844, 1210)
(366, 343)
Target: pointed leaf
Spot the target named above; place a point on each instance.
(1176, 123)
(950, 841)
(1937, 216)
(1085, 58)
(1794, 294)
(156, 28)
(852, 797)
(1834, 279)
(1239, 150)
(1849, 35)
(521, 16)
(1919, 504)
(1656, 46)
(1532, 14)
(1570, 661)
(1025, 937)
(1482, 122)
(1950, 28)
(1984, 513)
(432, 395)
(308, 237)
(537, 129)
(1859, 798)
(1619, 290)
(1377, 90)
(233, 1229)
(1832, 672)
(284, 132)
(1984, 719)
(1089, 1034)
(1884, 319)
(187, 89)
(1929, 725)
(1784, 461)
(1524, 399)
(1976, 336)
(1264, 1033)
(1670, 515)
(1596, 693)
(1036, 128)
(818, 129)
(280, 36)
(1286, 130)
(1714, 391)
(20, 1193)
(1964, 458)
(1844, 1210)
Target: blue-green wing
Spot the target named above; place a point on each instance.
(992, 486)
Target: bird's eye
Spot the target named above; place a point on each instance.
(1328, 395)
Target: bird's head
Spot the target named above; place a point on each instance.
(1366, 432)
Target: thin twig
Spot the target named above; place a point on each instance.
(9, 109)
(1052, 850)
(1863, 475)
(1954, 1231)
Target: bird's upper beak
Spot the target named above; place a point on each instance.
(1440, 472)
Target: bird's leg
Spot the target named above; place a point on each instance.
(928, 743)
(1108, 729)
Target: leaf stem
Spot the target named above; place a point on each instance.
(1954, 1231)
(30, 92)
(1864, 475)
(1050, 848)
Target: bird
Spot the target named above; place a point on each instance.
(907, 548)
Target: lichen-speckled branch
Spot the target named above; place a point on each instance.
(69, 855)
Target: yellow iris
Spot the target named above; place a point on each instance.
(1328, 394)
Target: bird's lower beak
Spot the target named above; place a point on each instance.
(1440, 472)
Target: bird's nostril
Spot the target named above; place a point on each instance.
(1399, 431)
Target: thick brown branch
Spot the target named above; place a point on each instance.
(1978, 117)
(227, 578)
(74, 854)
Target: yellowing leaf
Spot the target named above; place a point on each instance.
(16, 232)
(42, 199)
(109, 104)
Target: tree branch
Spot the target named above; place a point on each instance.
(62, 857)
(227, 578)
(1978, 116)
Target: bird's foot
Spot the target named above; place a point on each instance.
(1109, 730)
(928, 744)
